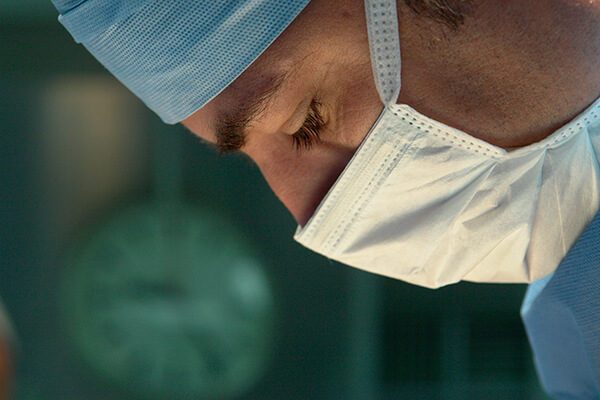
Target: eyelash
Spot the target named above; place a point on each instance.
(308, 135)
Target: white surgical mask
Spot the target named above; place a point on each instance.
(431, 205)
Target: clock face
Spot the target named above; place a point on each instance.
(169, 302)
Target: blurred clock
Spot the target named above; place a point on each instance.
(170, 302)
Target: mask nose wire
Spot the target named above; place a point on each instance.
(384, 44)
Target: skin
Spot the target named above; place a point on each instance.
(512, 74)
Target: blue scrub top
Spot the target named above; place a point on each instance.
(561, 314)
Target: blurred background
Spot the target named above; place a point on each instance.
(135, 263)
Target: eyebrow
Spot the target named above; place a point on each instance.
(231, 127)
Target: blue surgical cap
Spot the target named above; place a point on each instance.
(176, 55)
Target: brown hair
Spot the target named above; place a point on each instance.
(448, 12)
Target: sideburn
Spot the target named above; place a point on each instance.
(451, 13)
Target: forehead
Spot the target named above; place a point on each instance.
(272, 70)
(247, 96)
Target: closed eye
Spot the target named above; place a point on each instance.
(308, 135)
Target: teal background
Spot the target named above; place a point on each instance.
(341, 333)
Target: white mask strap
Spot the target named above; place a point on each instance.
(384, 42)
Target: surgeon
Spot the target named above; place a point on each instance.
(431, 141)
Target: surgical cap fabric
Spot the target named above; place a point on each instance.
(176, 55)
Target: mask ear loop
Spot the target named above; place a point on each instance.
(384, 44)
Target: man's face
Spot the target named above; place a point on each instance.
(303, 107)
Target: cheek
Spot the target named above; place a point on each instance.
(301, 179)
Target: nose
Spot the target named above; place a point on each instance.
(300, 178)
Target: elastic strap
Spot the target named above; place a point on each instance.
(384, 43)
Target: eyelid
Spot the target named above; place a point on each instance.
(309, 133)
(298, 117)
(231, 127)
